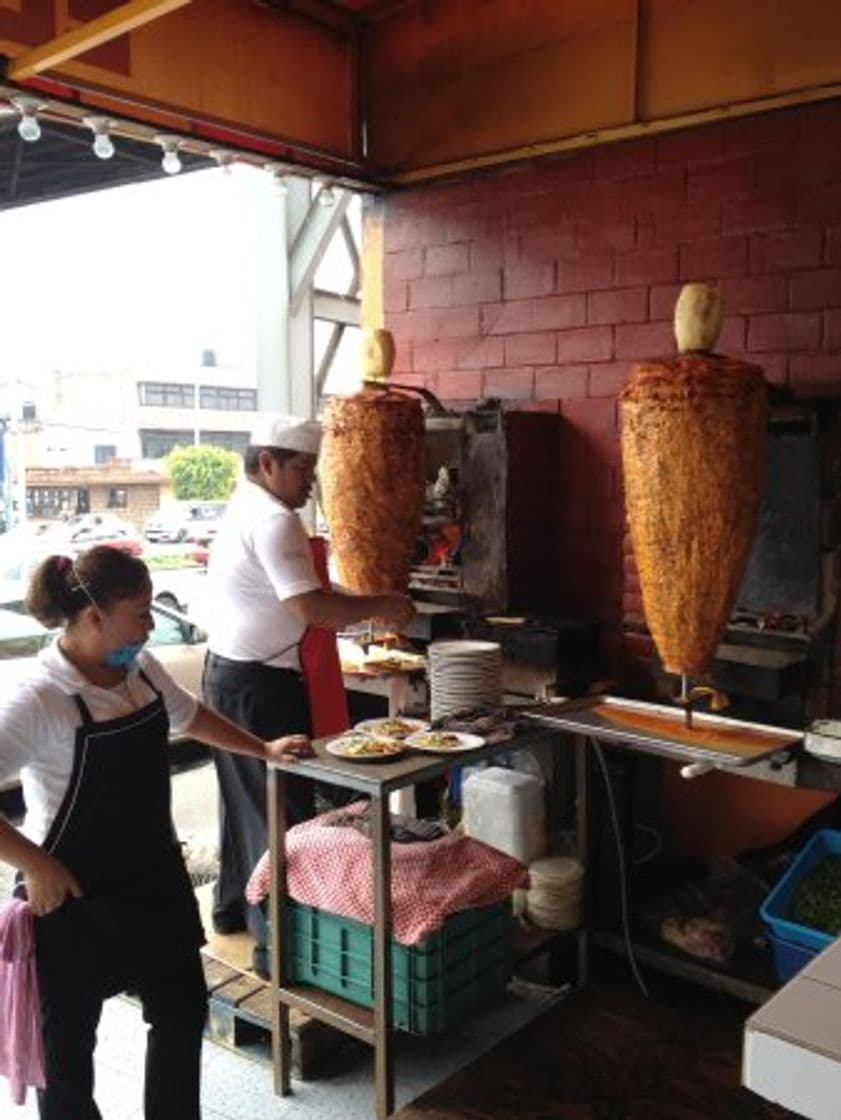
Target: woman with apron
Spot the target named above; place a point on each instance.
(98, 857)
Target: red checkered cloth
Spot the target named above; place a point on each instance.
(330, 868)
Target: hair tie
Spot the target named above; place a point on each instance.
(63, 564)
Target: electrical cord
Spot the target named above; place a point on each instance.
(623, 880)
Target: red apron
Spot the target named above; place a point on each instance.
(320, 666)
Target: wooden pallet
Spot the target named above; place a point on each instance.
(241, 1015)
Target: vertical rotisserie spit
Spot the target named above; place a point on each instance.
(693, 438)
(372, 485)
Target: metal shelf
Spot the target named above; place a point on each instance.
(751, 990)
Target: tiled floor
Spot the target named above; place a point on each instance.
(237, 1085)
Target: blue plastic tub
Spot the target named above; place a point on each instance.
(777, 906)
(789, 958)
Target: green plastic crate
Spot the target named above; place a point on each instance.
(436, 983)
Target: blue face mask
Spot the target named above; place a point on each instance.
(123, 656)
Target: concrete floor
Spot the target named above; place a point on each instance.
(238, 1083)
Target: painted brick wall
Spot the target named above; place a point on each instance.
(540, 283)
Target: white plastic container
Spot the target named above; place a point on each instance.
(505, 809)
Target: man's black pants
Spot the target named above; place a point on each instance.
(269, 702)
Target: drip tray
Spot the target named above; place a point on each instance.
(662, 730)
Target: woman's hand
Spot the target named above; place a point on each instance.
(288, 748)
(48, 884)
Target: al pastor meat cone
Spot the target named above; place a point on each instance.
(372, 485)
(693, 439)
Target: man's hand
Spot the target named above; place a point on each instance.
(48, 885)
(288, 748)
(394, 609)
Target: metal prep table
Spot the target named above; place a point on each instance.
(376, 781)
(629, 724)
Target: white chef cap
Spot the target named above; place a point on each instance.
(289, 433)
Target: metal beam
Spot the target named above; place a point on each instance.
(272, 310)
(311, 241)
(336, 309)
(353, 252)
(119, 21)
(330, 350)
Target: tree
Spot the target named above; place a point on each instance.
(202, 472)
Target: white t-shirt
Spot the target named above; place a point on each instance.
(39, 719)
(261, 556)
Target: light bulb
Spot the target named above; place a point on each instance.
(224, 160)
(103, 145)
(170, 162)
(28, 127)
(278, 177)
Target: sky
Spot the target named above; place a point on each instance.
(145, 276)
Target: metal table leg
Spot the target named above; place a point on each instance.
(281, 1037)
(581, 843)
(383, 1047)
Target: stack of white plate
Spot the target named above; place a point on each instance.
(823, 739)
(463, 674)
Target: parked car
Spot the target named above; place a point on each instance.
(200, 554)
(185, 521)
(177, 642)
(88, 529)
(22, 550)
(21, 636)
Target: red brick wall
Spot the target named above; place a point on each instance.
(542, 282)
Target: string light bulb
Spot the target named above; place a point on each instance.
(171, 162)
(223, 158)
(327, 195)
(278, 175)
(28, 127)
(103, 145)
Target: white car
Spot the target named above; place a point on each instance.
(185, 521)
(176, 641)
(21, 551)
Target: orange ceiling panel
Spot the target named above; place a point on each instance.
(397, 90)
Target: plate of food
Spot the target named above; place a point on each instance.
(359, 747)
(397, 727)
(444, 742)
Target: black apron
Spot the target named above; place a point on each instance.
(137, 917)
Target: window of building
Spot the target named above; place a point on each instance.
(156, 442)
(56, 501)
(228, 399)
(117, 497)
(231, 441)
(104, 453)
(166, 394)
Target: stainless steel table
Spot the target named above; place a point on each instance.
(376, 781)
(587, 722)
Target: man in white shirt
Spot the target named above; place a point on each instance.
(266, 592)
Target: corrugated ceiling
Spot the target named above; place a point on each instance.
(61, 163)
